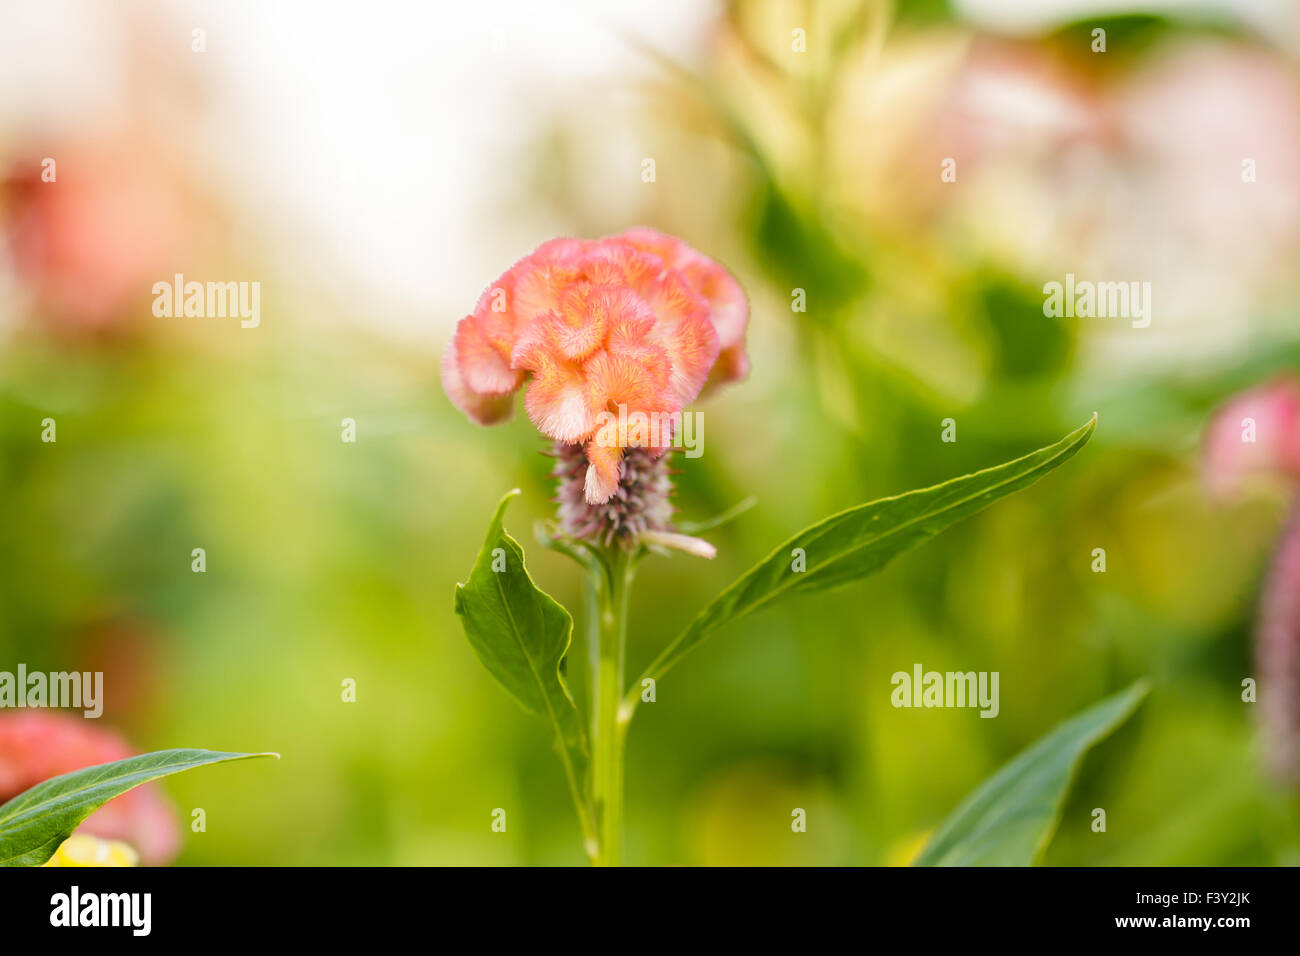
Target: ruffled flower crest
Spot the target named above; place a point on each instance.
(639, 322)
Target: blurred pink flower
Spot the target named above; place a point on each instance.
(1277, 650)
(1257, 432)
(37, 745)
(640, 320)
(89, 245)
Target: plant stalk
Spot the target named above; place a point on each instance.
(607, 591)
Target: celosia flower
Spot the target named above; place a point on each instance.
(1258, 432)
(638, 511)
(35, 746)
(639, 322)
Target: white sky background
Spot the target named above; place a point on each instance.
(366, 144)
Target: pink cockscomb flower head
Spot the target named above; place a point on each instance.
(35, 746)
(628, 325)
(1258, 433)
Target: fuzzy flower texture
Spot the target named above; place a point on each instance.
(635, 323)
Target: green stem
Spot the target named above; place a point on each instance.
(607, 638)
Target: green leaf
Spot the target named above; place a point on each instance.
(522, 635)
(34, 823)
(1010, 818)
(717, 521)
(856, 543)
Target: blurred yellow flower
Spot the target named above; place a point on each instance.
(84, 850)
(903, 851)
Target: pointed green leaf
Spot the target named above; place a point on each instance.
(34, 823)
(717, 521)
(856, 543)
(1010, 818)
(522, 635)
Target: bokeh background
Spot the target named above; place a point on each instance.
(376, 166)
